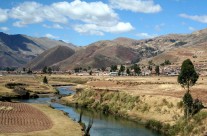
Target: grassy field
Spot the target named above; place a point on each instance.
(32, 83)
(152, 99)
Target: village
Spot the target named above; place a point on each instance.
(164, 69)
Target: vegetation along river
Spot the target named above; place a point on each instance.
(103, 125)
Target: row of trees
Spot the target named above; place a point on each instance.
(47, 70)
(122, 69)
(135, 67)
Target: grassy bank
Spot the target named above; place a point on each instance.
(161, 113)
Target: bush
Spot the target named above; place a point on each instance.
(154, 125)
(105, 109)
(24, 94)
(13, 85)
(180, 105)
(45, 81)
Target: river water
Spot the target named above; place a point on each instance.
(103, 125)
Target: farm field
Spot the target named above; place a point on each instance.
(155, 85)
(35, 120)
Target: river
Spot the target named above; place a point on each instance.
(103, 125)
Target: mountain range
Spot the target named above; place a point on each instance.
(17, 50)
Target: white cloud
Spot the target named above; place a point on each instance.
(33, 12)
(202, 19)
(191, 28)
(94, 29)
(144, 6)
(146, 35)
(4, 28)
(56, 26)
(87, 17)
(51, 36)
(3, 15)
(93, 12)
(61, 12)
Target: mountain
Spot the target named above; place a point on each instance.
(51, 56)
(17, 50)
(118, 51)
(173, 47)
(192, 46)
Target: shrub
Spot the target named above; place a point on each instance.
(105, 109)
(45, 81)
(180, 104)
(13, 85)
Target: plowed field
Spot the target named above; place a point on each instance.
(21, 118)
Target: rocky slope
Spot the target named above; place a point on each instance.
(192, 46)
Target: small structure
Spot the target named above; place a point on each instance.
(113, 74)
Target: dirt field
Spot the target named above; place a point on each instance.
(22, 118)
(18, 119)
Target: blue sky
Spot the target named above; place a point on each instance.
(82, 22)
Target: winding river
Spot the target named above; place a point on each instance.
(103, 125)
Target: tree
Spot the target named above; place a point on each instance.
(49, 70)
(128, 71)
(137, 69)
(188, 75)
(91, 72)
(188, 102)
(150, 67)
(157, 70)
(76, 70)
(186, 79)
(44, 70)
(113, 68)
(45, 81)
(29, 71)
(121, 70)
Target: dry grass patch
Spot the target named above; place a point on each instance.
(31, 83)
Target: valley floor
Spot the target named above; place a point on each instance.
(154, 98)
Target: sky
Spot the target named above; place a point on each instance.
(82, 22)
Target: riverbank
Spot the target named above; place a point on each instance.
(161, 113)
(29, 83)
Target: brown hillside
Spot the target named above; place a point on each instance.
(50, 57)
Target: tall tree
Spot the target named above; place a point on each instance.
(49, 70)
(137, 69)
(113, 68)
(44, 70)
(157, 70)
(188, 75)
(186, 79)
(128, 71)
(121, 70)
